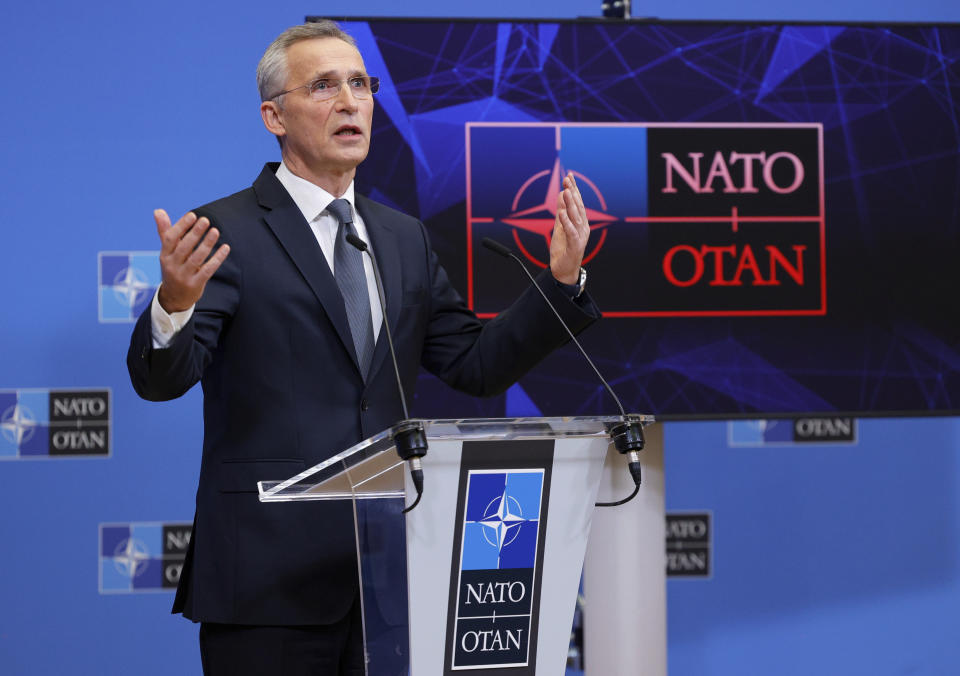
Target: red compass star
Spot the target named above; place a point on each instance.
(540, 218)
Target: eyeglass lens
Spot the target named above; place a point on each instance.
(360, 87)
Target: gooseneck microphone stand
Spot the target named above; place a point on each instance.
(627, 435)
(410, 437)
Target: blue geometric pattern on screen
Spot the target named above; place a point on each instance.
(24, 423)
(502, 520)
(757, 383)
(389, 95)
(519, 404)
(796, 46)
(126, 283)
(131, 558)
(760, 432)
(440, 182)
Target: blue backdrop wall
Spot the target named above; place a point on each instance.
(842, 556)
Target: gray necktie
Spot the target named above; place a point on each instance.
(348, 271)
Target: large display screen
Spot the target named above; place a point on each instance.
(775, 209)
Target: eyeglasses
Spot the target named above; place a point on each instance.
(324, 89)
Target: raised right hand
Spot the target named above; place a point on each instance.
(185, 261)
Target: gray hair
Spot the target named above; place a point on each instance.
(272, 70)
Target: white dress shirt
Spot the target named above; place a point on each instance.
(312, 200)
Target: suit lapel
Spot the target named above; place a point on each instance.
(383, 241)
(294, 233)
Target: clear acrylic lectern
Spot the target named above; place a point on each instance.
(483, 574)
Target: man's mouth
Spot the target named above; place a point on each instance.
(347, 130)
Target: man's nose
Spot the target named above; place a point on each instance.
(345, 100)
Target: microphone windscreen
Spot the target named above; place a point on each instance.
(356, 241)
(495, 247)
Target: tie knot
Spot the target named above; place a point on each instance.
(340, 208)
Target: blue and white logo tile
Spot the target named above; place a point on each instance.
(142, 557)
(127, 283)
(759, 432)
(24, 423)
(502, 520)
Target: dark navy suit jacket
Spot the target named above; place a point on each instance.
(270, 343)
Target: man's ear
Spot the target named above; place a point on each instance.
(272, 118)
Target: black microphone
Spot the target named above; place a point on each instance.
(627, 435)
(409, 435)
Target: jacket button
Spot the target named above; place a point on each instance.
(364, 404)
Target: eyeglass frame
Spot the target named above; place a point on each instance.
(374, 87)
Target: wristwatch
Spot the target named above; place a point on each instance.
(581, 282)
(574, 290)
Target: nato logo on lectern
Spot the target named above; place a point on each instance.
(142, 557)
(498, 555)
(127, 282)
(54, 423)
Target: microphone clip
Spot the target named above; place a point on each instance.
(411, 439)
(627, 436)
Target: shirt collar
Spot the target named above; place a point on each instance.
(310, 198)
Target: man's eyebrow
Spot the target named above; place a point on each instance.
(333, 75)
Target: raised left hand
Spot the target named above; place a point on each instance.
(570, 233)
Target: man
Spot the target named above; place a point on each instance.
(280, 325)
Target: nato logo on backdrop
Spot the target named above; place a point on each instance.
(142, 557)
(711, 219)
(127, 282)
(791, 431)
(54, 423)
(689, 544)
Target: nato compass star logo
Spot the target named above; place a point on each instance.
(131, 558)
(17, 424)
(534, 210)
(130, 286)
(128, 281)
(501, 521)
(24, 427)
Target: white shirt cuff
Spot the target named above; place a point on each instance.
(165, 325)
